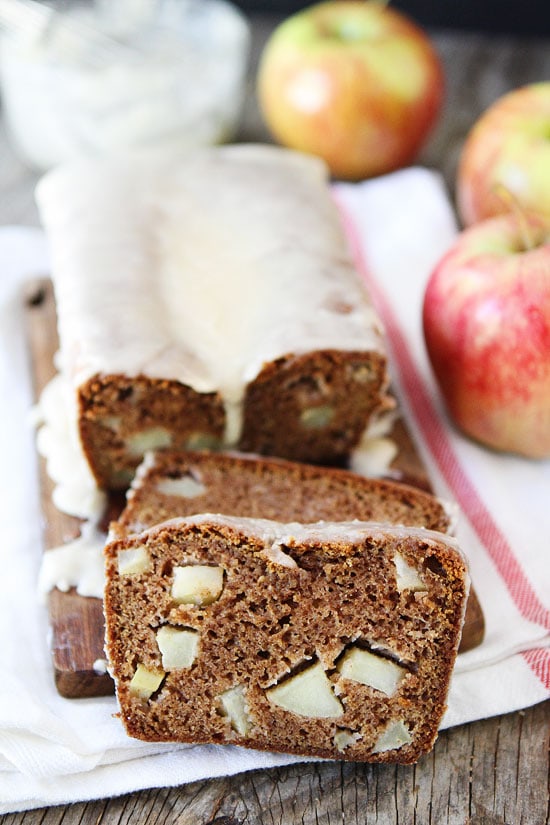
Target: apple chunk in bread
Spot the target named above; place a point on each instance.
(233, 703)
(394, 736)
(407, 577)
(309, 693)
(197, 584)
(152, 439)
(185, 486)
(146, 681)
(178, 647)
(365, 667)
(133, 561)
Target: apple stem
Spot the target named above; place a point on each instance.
(513, 205)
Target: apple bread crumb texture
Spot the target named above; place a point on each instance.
(317, 649)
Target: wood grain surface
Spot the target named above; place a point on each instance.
(489, 772)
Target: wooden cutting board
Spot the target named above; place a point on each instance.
(77, 621)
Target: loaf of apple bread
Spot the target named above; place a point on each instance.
(209, 299)
(334, 640)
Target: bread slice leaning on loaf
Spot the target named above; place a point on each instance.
(172, 483)
(332, 639)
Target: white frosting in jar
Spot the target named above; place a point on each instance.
(87, 83)
(200, 268)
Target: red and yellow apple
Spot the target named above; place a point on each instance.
(486, 318)
(508, 149)
(353, 82)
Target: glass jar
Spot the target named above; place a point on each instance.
(92, 80)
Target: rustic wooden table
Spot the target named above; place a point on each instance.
(486, 773)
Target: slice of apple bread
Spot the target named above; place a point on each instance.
(332, 639)
(172, 483)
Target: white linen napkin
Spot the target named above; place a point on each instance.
(55, 750)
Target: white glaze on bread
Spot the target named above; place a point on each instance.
(200, 268)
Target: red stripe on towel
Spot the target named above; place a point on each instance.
(445, 457)
(538, 660)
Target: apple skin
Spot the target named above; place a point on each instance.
(508, 148)
(486, 319)
(355, 83)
